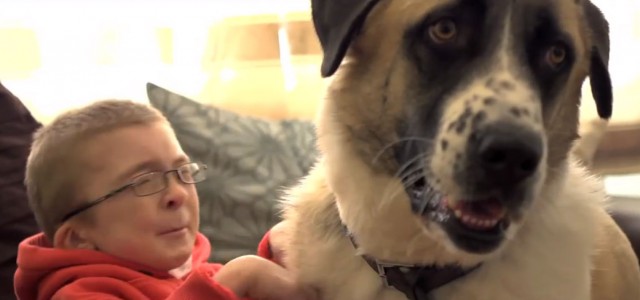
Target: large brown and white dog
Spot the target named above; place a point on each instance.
(445, 170)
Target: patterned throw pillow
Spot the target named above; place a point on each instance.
(250, 163)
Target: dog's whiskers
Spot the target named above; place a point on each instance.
(403, 169)
(406, 175)
(404, 172)
(402, 140)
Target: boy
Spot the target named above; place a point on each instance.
(114, 195)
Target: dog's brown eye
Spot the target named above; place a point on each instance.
(443, 31)
(556, 55)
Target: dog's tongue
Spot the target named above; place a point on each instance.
(486, 209)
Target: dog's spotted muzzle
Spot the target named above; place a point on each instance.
(495, 181)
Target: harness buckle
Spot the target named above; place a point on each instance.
(382, 266)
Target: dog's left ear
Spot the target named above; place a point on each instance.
(336, 23)
(599, 77)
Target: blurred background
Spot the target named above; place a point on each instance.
(255, 57)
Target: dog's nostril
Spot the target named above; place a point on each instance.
(494, 157)
(529, 165)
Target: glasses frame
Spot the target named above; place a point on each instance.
(131, 184)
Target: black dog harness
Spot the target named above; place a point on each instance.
(415, 281)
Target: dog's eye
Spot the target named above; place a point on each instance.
(443, 31)
(556, 55)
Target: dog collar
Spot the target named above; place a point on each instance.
(415, 281)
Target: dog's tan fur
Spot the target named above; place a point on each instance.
(565, 246)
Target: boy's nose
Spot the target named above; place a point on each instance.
(175, 194)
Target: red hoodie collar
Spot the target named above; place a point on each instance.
(37, 259)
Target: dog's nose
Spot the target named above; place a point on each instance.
(506, 154)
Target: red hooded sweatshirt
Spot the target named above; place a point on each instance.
(49, 273)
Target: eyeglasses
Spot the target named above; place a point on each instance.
(149, 184)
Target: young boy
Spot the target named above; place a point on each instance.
(114, 194)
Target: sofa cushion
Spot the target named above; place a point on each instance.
(250, 163)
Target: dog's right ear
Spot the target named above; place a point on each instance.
(337, 22)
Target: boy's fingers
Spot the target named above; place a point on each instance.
(260, 279)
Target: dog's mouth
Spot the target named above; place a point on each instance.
(475, 225)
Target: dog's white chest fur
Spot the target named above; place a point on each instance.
(549, 258)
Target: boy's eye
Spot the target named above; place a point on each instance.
(142, 180)
(148, 184)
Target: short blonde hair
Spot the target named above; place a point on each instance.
(53, 173)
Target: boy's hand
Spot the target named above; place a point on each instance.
(257, 278)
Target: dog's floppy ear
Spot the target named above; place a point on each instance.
(599, 73)
(336, 23)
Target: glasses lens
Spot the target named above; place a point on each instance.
(149, 183)
(192, 173)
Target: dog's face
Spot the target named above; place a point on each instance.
(472, 105)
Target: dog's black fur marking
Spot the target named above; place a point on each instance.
(515, 112)
(501, 86)
(444, 144)
(460, 126)
(506, 85)
(477, 120)
(489, 101)
(540, 32)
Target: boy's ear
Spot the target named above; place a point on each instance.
(68, 237)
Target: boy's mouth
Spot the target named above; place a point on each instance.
(174, 230)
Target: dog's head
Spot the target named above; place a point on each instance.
(470, 106)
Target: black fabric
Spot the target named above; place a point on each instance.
(16, 220)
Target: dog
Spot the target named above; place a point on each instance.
(446, 169)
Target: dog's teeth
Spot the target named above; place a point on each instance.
(472, 221)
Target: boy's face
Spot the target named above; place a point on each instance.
(158, 230)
